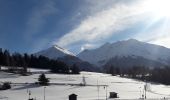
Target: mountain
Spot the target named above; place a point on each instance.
(83, 65)
(140, 52)
(57, 53)
(54, 52)
(130, 61)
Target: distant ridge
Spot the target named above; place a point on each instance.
(131, 48)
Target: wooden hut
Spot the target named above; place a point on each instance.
(72, 97)
(113, 95)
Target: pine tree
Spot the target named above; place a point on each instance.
(6, 58)
(1, 58)
(43, 80)
(75, 69)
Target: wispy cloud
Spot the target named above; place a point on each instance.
(109, 18)
(37, 21)
(88, 46)
(37, 18)
(102, 24)
(165, 41)
(158, 35)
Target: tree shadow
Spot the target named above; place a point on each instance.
(74, 87)
(27, 86)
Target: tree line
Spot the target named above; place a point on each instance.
(24, 61)
(154, 74)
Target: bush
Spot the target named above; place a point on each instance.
(5, 86)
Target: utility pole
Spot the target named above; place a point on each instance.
(44, 93)
(140, 92)
(98, 88)
(145, 86)
(29, 94)
(84, 81)
(106, 92)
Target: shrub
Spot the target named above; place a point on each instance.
(5, 86)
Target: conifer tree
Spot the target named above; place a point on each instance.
(43, 80)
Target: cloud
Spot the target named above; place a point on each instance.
(158, 35)
(102, 24)
(164, 41)
(160, 38)
(36, 22)
(87, 46)
(37, 18)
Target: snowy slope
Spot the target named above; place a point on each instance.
(54, 52)
(126, 88)
(126, 48)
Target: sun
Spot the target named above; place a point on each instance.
(159, 8)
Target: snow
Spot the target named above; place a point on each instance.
(126, 88)
(54, 52)
(64, 50)
(126, 48)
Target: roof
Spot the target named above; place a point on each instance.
(73, 94)
(113, 92)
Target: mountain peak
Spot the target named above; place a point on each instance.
(106, 44)
(54, 52)
(57, 47)
(132, 40)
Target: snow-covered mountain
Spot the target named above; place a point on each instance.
(54, 52)
(128, 48)
(57, 53)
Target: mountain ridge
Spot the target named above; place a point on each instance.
(125, 48)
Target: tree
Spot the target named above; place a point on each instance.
(1, 58)
(113, 70)
(75, 69)
(43, 80)
(6, 58)
(59, 67)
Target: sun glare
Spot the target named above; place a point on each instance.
(159, 8)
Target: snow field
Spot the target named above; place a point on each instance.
(126, 88)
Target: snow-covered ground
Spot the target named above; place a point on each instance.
(126, 88)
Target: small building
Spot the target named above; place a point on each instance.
(113, 95)
(72, 97)
(31, 99)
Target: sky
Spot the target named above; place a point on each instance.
(28, 26)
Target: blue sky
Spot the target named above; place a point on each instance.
(33, 25)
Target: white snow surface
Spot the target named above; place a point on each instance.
(54, 52)
(126, 88)
(126, 48)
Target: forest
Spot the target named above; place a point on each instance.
(17, 61)
(149, 74)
